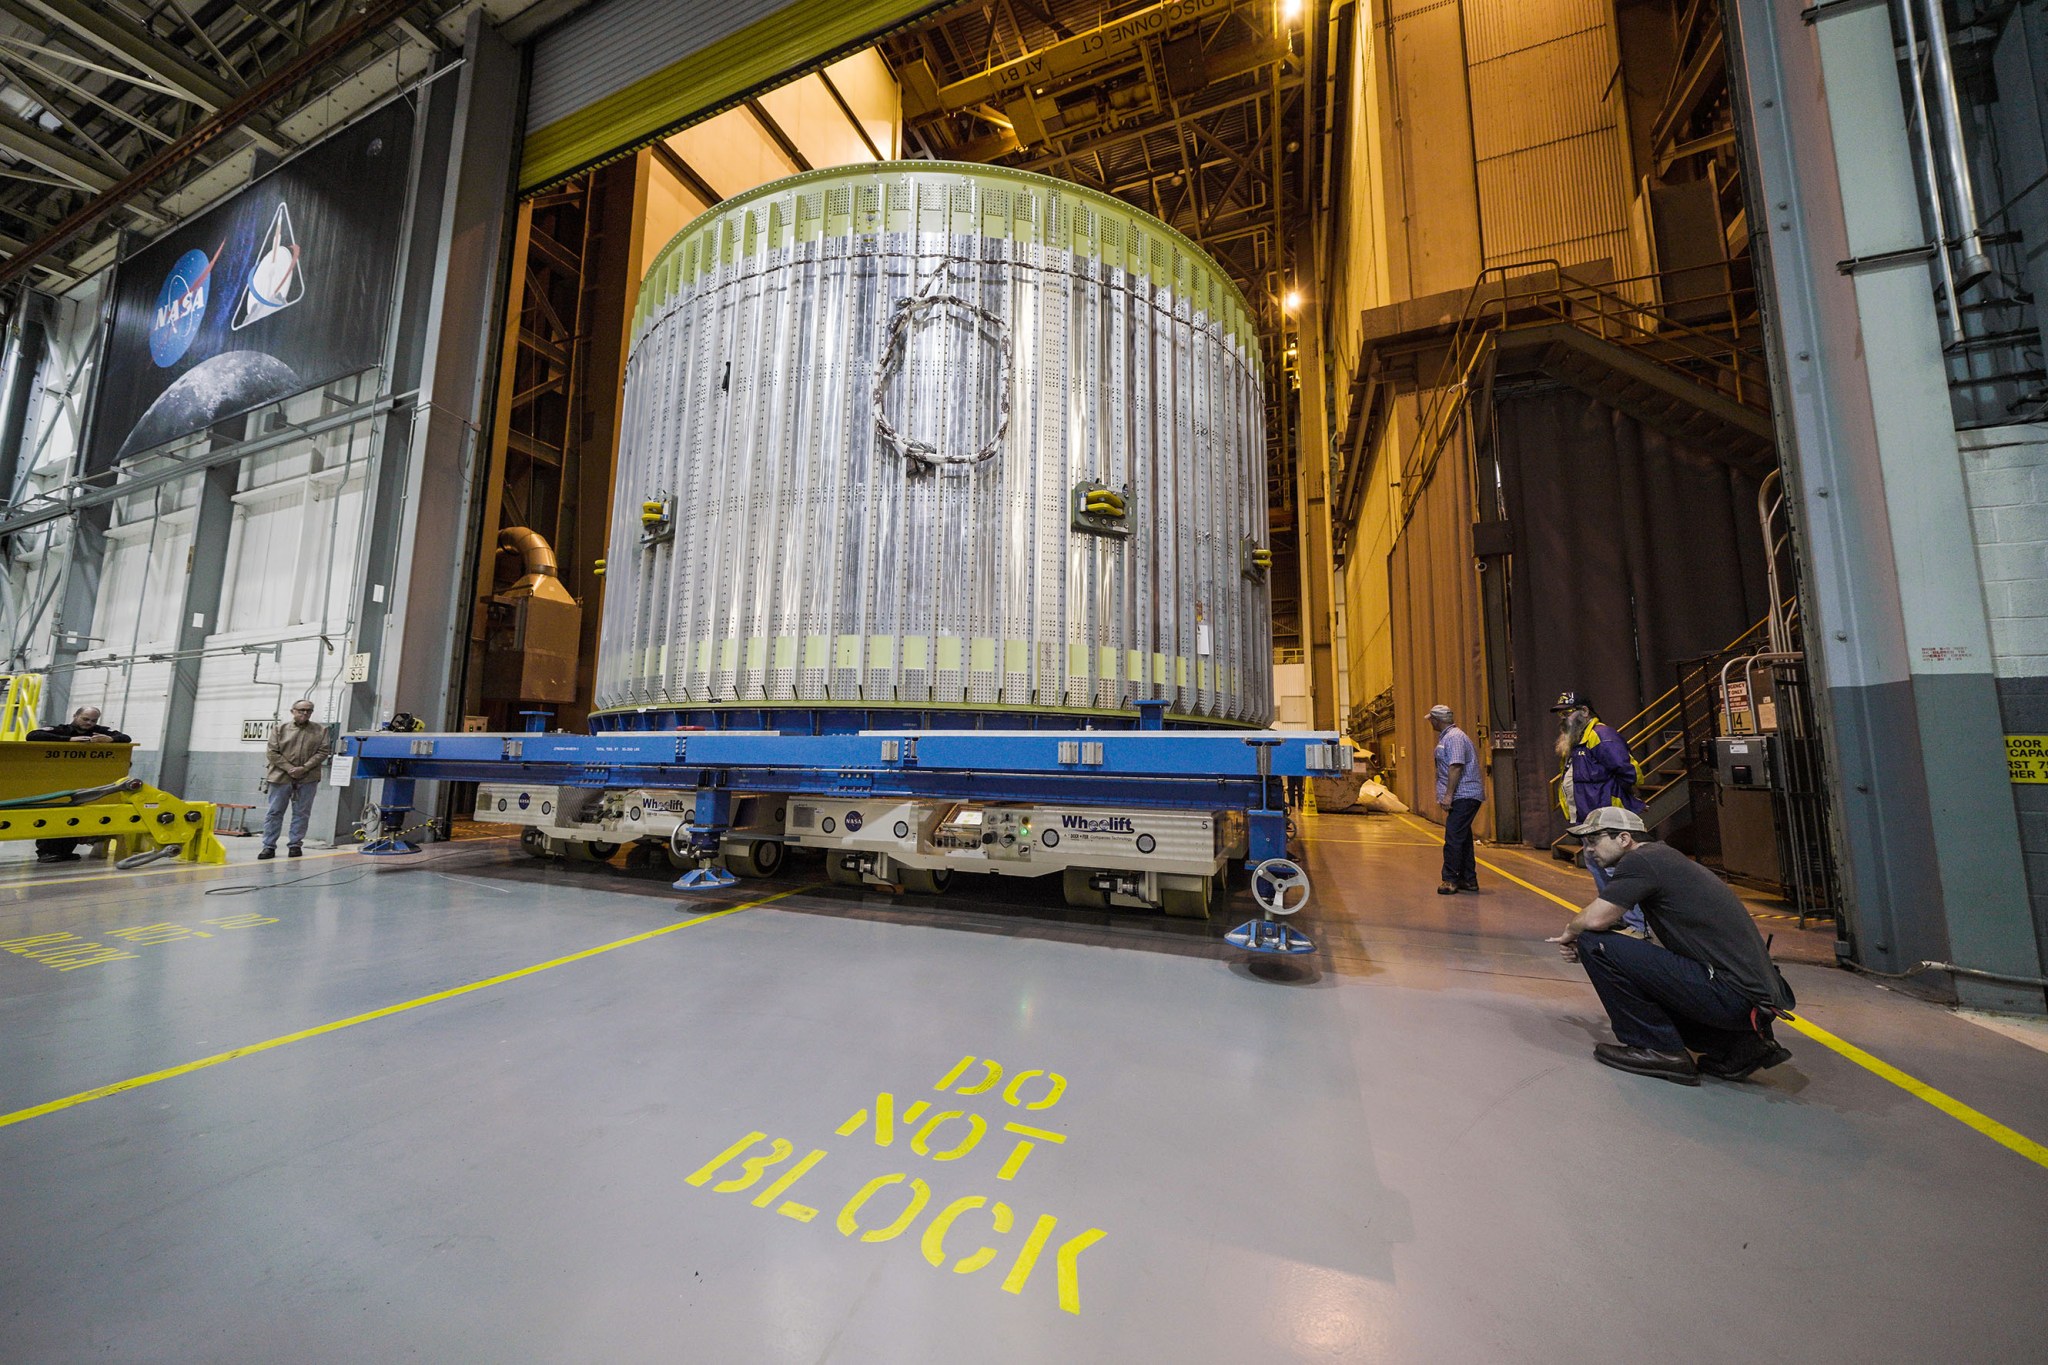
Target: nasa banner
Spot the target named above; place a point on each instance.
(281, 289)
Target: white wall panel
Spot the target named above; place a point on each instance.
(609, 46)
(262, 563)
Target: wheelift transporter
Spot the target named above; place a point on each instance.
(938, 544)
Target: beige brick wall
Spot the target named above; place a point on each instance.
(2006, 474)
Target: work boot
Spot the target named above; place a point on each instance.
(1468, 886)
(1448, 889)
(266, 855)
(59, 857)
(294, 851)
(1744, 1062)
(1676, 1067)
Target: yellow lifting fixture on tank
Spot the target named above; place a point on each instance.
(60, 790)
(1101, 510)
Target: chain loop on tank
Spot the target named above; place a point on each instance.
(901, 319)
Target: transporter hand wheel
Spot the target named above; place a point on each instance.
(1280, 886)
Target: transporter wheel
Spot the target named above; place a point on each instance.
(755, 859)
(924, 881)
(535, 843)
(580, 852)
(1190, 903)
(1074, 884)
(839, 873)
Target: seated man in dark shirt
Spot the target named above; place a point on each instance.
(1710, 987)
(84, 728)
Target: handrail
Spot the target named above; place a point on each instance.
(1652, 720)
(1731, 356)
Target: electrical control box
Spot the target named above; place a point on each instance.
(1744, 761)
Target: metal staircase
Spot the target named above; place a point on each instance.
(1657, 736)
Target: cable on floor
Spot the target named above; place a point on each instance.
(245, 888)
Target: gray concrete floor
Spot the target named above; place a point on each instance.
(1398, 1149)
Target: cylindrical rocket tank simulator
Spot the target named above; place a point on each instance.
(943, 437)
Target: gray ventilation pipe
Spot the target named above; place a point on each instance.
(1928, 170)
(1975, 264)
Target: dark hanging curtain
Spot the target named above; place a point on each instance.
(1632, 552)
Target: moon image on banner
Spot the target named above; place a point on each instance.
(276, 282)
(209, 391)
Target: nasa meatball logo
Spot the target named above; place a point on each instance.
(181, 306)
(275, 282)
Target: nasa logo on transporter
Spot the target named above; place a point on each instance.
(181, 306)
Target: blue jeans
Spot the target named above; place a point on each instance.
(299, 796)
(1461, 866)
(1601, 876)
(1667, 1003)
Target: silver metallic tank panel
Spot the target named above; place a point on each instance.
(859, 408)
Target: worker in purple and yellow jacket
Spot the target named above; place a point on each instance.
(1598, 771)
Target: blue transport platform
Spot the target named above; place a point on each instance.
(1195, 770)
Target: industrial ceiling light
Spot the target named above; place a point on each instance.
(1292, 301)
(1290, 10)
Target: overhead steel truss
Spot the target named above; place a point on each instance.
(110, 108)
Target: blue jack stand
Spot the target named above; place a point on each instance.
(1275, 884)
(709, 877)
(1268, 936)
(390, 840)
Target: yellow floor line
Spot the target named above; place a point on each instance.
(1436, 841)
(172, 865)
(1919, 1089)
(1876, 1066)
(1814, 922)
(186, 1068)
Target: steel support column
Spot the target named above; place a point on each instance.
(1312, 486)
(85, 555)
(24, 383)
(198, 612)
(1896, 624)
(413, 611)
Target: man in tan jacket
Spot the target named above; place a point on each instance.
(298, 754)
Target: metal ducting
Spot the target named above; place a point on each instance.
(531, 643)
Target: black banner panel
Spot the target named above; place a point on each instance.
(281, 289)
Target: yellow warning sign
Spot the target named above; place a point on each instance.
(2027, 756)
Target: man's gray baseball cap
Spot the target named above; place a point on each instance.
(1610, 817)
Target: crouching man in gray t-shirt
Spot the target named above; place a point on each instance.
(1711, 987)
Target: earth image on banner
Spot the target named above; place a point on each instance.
(181, 307)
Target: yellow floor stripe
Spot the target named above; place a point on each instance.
(1436, 841)
(1919, 1089)
(1876, 1066)
(173, 865)
(1814, 921)
(185, 1069)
